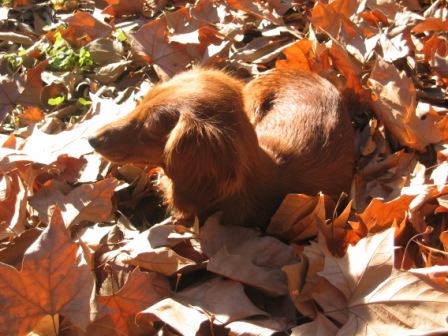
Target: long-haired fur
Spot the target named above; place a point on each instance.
(225, 146)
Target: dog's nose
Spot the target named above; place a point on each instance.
(95, 142)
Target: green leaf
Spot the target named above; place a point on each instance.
(84, 102)
(56, 101)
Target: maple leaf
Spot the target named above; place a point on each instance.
(48, 284)
(378, 298)
(140, 291)
(380, 215)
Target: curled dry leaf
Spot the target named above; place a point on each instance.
(328, 17)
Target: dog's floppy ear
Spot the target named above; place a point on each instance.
(202, 161)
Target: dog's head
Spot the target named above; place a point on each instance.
(193, 126)
(185, 109)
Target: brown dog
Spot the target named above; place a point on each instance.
(235, 148)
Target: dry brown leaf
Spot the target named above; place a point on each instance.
(31, 94)
(124, 7)
(262, 10)
(342, 60)
(255, 327)
(184, 319)
(13, 199)
(321, 326)
(10, 90)
(86, 28)
(379, 298)
(395, 105)
(240, 254)
(431, 24)
(91, 202)
(220, 301)
(152, 45)
(152, 249)
(48, 284)
(224, 299)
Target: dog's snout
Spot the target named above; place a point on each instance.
(95, 142)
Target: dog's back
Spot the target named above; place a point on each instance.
(302, 122)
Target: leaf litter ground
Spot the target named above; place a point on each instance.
(85, 247)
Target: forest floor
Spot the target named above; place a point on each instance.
(85, 248)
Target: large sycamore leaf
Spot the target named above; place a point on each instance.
(380, 299)
(242, 255)
(55, 279)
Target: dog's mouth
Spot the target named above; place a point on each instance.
(124, 158)
(120, 158)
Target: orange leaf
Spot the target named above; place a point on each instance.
(380, 215)
(84, 28)
(140, 291)
(295, 57)
(327, 17)
(431, 24)
(31, 116)
(55, 279)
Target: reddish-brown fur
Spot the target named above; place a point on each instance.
(237, 148)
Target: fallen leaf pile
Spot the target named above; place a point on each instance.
(87, 249)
